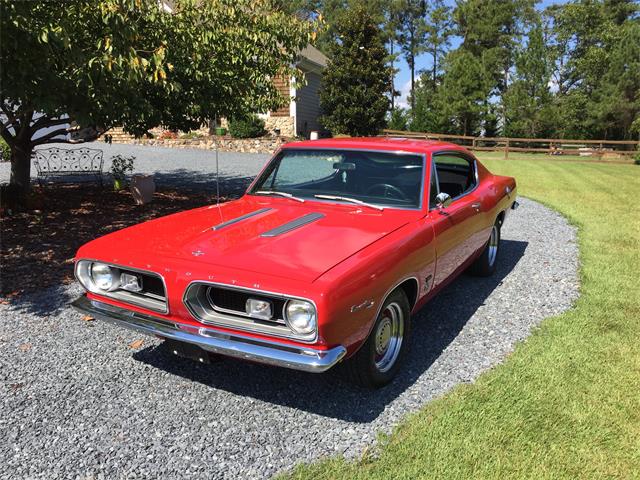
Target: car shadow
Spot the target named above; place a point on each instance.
(435, 327)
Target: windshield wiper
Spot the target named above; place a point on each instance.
(350, 200)
(282, 194)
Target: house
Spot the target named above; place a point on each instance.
(302, 115)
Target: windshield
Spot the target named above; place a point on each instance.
(379, 178)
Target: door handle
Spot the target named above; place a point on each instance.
(476, 205)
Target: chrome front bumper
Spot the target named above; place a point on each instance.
(307, 359)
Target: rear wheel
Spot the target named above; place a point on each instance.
(485, 264)
(380, 357)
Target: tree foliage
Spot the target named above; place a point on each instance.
(572, 70)
(130, 63)
(596, 67)
(398, 119)
(356, 80)
(527, 99)
(411, 33)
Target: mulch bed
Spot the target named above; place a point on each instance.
(37, 246)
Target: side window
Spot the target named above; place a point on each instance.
(456, 174)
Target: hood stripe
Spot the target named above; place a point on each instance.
(292, 225)
(239, 219)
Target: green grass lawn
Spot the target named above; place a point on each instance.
(566, 403)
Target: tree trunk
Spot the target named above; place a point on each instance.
(412, 66)
(435, 67)
(393, 86)
(20, 180)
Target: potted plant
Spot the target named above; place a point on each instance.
(120, 166)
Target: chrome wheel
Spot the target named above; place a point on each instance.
(493, 245)
(388, 337)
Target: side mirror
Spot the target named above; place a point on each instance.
(443, 200)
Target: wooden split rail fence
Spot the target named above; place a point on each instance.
(611, 150)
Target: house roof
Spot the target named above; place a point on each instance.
(312, 55)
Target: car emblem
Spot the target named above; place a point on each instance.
(197, 253)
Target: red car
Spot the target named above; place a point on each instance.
(322, 261)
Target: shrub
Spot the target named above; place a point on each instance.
(121, 165)
(191, 135)
(636, 157)
(5, 151)
(250, 126)
(168, 135)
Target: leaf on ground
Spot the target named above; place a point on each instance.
(88, 318)
(25, 347)
(137, 344)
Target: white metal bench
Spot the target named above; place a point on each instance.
(61, 162)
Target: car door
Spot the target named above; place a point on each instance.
(455, 226)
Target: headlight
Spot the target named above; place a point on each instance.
(104, 277)
(97, 277)
(301, 316)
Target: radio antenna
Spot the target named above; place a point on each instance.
(217, 166)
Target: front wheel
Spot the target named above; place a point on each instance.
(380, 357)
(485, 264)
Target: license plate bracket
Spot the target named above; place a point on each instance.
(187, 350)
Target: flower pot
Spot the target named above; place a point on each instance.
(118, 184)
(221, 131)
(142, 188)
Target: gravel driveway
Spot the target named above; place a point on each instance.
(185, 168)
(78, 401)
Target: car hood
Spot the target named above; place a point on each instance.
(215, 235)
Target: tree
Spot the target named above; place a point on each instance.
(463, 95)
(438, 31)
(118, 62)
(427, 114)
(390, 26)
(527, 100)
(596, 67)
(491, 30)
(327, 12)
(617, 100)
(398, 119)
(411, 32)
(355, 82)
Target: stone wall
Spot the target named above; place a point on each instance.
(284, 124)
(225, 144)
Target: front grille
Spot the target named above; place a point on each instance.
(225, 306)
(152, 295)
(234, 301)
(152, 285)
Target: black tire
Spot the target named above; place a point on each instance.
(369, 367)
(485, 264)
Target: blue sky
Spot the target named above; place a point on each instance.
(403, 77)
